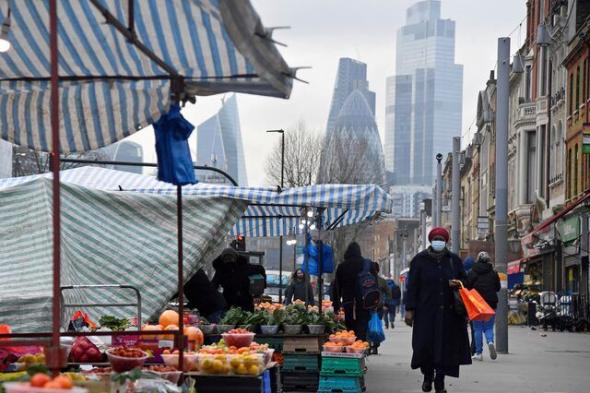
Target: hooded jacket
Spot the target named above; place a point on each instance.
(484, 279)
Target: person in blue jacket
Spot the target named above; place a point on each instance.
(390, 308)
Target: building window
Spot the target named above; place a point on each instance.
(576, 170)
(531, 166)
(571, 103)
(527, 84)
(543, 68)
(577, 90)
(559, 149)
(569, 173)
(585, 82)
(553, 154)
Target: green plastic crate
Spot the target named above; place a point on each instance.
(301, 363)
(341, 385)
(275, 343)
(349, 367)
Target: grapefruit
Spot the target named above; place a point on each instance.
(194, 334)
(169, 317)
(166, 336)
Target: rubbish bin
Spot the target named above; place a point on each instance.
(532, 314)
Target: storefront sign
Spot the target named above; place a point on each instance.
(586, 143)
(569, 229)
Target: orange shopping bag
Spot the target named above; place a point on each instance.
(477, 308)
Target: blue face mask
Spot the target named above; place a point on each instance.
(438, 245)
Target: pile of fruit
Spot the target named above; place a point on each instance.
(214, 364)
(345, 341)
(41, 380)
(343, 336)
(270, 307)
(246, 364)
(30, 359)
(125, 352)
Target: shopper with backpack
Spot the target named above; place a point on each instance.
(356, 290)
(390, 309)
(439, 340)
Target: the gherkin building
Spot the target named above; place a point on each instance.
(352, 151)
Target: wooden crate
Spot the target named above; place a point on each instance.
(310, 345)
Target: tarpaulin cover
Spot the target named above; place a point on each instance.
(269, 213)
(107, 238)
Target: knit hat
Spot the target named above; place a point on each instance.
(438, 231)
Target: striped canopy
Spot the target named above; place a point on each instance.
(269, 213)
(109, 88)
(107, 238)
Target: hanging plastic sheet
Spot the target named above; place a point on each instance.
(175, 164)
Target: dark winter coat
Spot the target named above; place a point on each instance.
(484, 279)
(344, 289)
(202, 295)
(296, 291)
(232, 276)
(439, 338)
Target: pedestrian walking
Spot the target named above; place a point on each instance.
(390, 310)
(232, 275)
(468, 264)
(345, 294)
(299, 289)
(385, 299)
(439, 340)
(485, 280)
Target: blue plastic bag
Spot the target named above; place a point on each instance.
(311, 257)
(375, 333)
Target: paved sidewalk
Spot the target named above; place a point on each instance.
(557, 363)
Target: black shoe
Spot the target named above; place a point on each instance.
(427, 385)
(439, 386)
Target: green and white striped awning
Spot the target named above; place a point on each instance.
(107, 238)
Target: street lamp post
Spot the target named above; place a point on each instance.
(282, 132)
(455, 198)
(404, 236)
(438, 196)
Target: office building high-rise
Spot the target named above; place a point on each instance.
(352, 75)
(424, 98)
(124, 150)
(219, 144)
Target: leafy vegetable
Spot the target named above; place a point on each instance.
(235, 316)
(115, 324)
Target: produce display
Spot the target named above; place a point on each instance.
(125, 359)
(29, 359)
(40, 380)
(345, 341)
(84, 351)
(238, 338)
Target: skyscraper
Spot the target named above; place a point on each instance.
(124, 150)
(352, 75)
(219, 143)
(424, 98)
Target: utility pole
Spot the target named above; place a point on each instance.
(423, 227)
(455, 199)
(438, 196)
(501, 217)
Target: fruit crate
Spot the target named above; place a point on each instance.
(341, 385)
(275, 343)
(268, 382)
(310, 345)
(300, 382)
(348, 367)
(301, 363)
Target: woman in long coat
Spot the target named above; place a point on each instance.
(439, 340)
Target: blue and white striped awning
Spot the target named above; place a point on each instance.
(269, 213)
(109, 89)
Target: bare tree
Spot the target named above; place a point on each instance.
(302, 157)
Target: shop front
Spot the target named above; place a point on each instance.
(539, 250)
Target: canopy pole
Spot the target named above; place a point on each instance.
(180, 335)
(320, 259)
(55, 359)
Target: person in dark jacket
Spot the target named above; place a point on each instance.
(485, 280)
(203, 296)
(344, 291)
(231, 274)
(298, 289)
(439, 340)
(392, 304)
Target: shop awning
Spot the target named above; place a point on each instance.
(568, 208)
(269, 212)
(514, 266)
(107, 238)
(109, 88)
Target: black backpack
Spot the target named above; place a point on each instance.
(368, 287)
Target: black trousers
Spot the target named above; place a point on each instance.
(430, 374)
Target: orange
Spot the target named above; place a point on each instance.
(52, 385)
(169, 317)
(168, 336)
(39, 380)
(64, 381)
(194, 334)
(150, 328)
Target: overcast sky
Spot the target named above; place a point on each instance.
(322, 31)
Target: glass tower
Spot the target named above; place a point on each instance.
(424, 98)
(219, 144)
